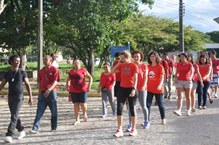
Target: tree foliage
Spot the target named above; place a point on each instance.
(214, 36)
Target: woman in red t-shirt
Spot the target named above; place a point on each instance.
(127, 91)
(184, 75)
(138, 57)
(106, 85)
(78, 88)
(155, 84)
(205, 71)
(196, 77)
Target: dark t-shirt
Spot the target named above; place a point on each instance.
(15, 81)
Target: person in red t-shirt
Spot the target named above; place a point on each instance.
(155, 84)
(196, 77)
(48, 78)
(78, 88)
(215, 76)
(106, 85)
(166, 66)
(127, 90)
(118, 76)
(170, 71)
(184, 75)
(138, 57)
(205, 71)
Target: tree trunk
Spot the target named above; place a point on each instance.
(91, 62)
(23, 61)
(2, 6)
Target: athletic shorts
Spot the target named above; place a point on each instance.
(79, 97)
(214, 81)
(184, 84)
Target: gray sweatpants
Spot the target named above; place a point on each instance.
(108, 94)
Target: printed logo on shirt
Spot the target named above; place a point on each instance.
(126, 70)
(151, 74)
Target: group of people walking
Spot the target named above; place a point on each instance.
(129, 80)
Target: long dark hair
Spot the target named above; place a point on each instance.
(203, 56)
(156, 55)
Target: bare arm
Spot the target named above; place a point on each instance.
(90, 80)
(114, 69)
(4, 81)
(192, 73)
(67, 84)
(29, 90)
(135, 85)
(47, 92)
(145, 79)
(161, 82)
(208, 73)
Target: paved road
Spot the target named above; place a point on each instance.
(199, 129)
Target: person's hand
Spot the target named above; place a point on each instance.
(132, 93)
(30, 101)
(159, 87)
(88, 89)
(47, 92)
(98, 91)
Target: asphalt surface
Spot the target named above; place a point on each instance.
(199, 129)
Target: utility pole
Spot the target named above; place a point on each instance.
(40, 35)
(181, 31)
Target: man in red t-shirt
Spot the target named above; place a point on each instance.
(48, 78)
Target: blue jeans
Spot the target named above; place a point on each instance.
(43, 102)
(159, 100)
(202, 93)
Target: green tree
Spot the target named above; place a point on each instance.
(86, 26)
(214, 36)
(18, 25)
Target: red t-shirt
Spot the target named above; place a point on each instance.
(46, 77)
(154, 79)
(107, 80)
(141, 71)
(183, 71)
(118, 75)
(77, 80)
(215, 65)
(127, 72)
(195, 75)
(171, 65)
(165, 64)
(204, 69)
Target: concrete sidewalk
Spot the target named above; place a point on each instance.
(199, 129)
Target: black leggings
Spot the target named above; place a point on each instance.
(123, 95)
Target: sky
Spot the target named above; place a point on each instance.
(198, 13)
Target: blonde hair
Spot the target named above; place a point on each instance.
(126, 54)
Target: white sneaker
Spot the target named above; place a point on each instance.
(103, 116)
(189, 113)
(34, 131)
(8, 139)
(177, 112)
(22, 135)
(133, 132)
(119, 133)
